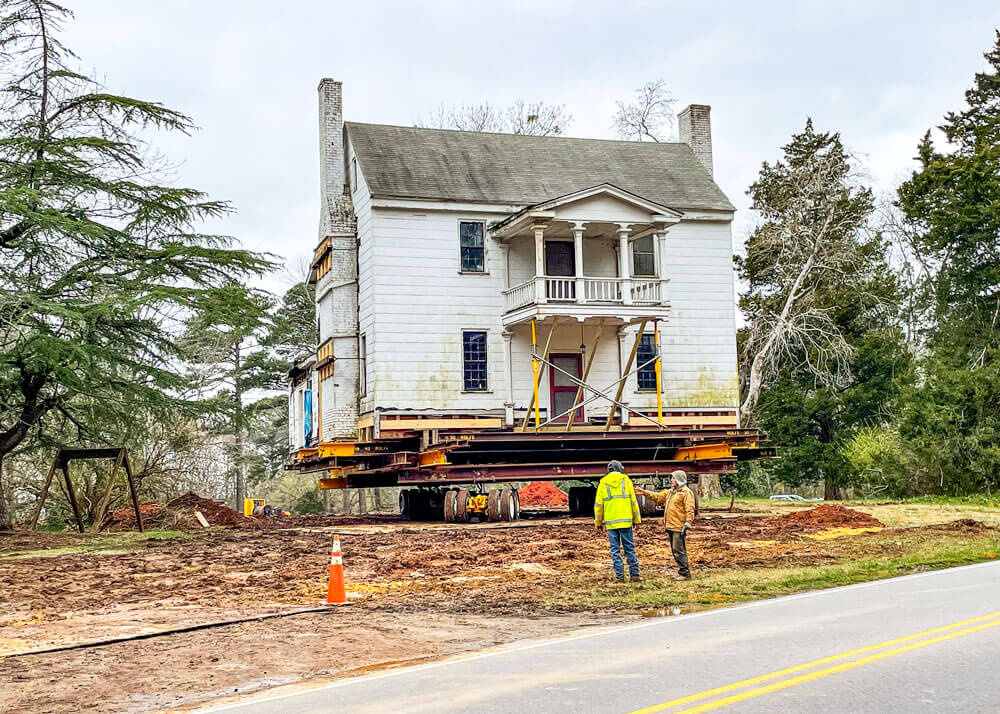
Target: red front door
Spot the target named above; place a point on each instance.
(563, 390)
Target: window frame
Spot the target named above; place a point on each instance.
(461, 266)
(650, 252)
(354, 173)
(363, 365)
(649, 371)
(485, 359)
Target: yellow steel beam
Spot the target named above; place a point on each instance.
(432, 458)
(333, 449)
(325, 483)
(704, 451)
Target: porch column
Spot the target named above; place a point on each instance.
(539, 229)
(624, 271)
(581, 296)
(661, 264)
(508, 405)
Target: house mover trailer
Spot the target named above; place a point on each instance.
(495, 308)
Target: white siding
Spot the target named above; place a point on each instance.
(361, 196)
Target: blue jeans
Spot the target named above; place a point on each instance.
(621, 538)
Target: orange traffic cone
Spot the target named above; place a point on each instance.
(335, 592)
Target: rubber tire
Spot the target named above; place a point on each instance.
(405, 509)
(507, 512)
(493, 505)
(462, 514)
(517, 503)
(450, 506)
(574, 500)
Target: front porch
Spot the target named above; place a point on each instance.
(597, 253)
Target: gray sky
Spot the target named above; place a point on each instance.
(879, 72)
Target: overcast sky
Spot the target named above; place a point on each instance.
(879, 72)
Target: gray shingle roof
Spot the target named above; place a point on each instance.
(409, 162)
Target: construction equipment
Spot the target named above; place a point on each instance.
(250, 506)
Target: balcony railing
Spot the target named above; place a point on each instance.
(583, 290)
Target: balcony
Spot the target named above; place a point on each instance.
(584, 296)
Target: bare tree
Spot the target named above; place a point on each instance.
(520, 117)
(649, 116)
(812, 235)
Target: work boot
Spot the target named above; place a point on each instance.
(682, 577)
(616, 579)
(635, 578)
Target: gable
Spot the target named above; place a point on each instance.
(513, 169)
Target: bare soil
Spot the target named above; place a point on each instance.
(421, 590)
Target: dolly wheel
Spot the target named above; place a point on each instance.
(404, 504)
(493, 505)
(450, 506)
(508, 506)
(462, 514)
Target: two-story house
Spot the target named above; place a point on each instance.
(441, 252)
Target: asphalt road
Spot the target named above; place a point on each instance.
(920, 643)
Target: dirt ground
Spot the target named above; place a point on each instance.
(425, 590)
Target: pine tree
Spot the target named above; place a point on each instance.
(98, 262)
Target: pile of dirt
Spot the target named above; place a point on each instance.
(542, 493)
(215, 513)
(827, 516)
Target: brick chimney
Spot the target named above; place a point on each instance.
(337, 213)
(695, 129)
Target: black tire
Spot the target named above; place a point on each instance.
(493, 505)
(404, 504)
(462, 514)
(508, 506)
(517, 503)
(576, 500)
(450, 506)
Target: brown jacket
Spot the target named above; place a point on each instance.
(679, 507)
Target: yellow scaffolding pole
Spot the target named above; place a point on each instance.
(536, 371)
(659, 370)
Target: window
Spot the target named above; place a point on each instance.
(643, 259)
(474, 361)
(647, 374)
(470, 239)
(354, 174)
(363, 365)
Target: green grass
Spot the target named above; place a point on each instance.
(102, 544)
(722, 586)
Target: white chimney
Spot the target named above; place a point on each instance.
(695, 129)
(334, 218)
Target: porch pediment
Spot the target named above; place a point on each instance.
(604, 203)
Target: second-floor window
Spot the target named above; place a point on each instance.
(472, 246)
(643, 258)
(647, 372)
(474, 361)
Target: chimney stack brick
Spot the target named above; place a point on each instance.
(337, 210)
(694, 126)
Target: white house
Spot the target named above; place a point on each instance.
(438, 249)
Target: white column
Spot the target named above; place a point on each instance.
(661, 264)
(539, 229)
(624, 269)
(578, 251)
(508, 405)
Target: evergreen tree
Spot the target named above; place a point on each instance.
(952, 203)
(814, 266)
(97, 260)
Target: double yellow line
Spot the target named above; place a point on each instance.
(975, 624)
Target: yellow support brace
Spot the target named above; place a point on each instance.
(534, 370)
(706, 451)
(658, 369)
(432, 458)
(333, 449)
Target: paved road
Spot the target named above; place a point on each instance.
(928, 643)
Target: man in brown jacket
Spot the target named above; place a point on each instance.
(677, 517)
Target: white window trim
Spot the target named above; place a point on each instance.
(488, 389)
(354, 174)
(486, 253)
(363, 364)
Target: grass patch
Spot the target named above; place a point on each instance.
(720, 586)
(102, 544)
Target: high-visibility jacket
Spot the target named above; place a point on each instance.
(615, 505)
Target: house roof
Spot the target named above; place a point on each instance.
(514, 169)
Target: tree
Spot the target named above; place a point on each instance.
(649, 116)
(811, 233)
(951, 205)
(520, 117)
(98, 262)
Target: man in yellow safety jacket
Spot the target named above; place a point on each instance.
(677, 517)
(616, 508)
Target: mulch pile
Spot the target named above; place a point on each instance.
(542, 493)
(828, 516)
(215, 513)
